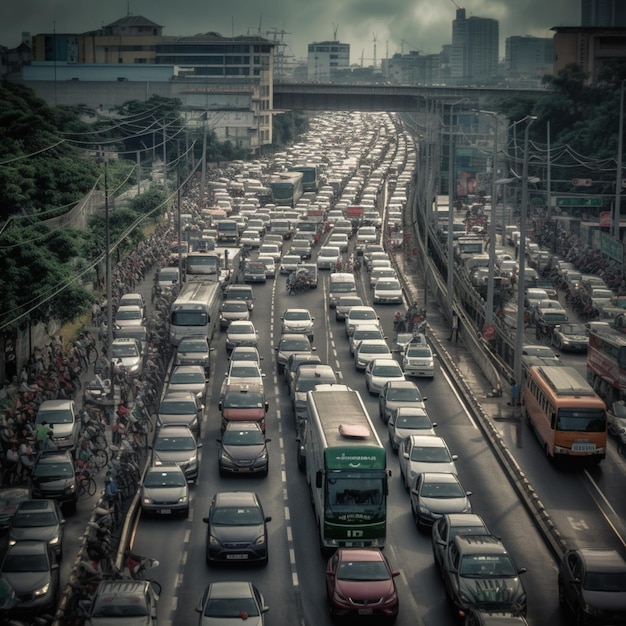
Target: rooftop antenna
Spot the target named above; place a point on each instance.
(335, 29)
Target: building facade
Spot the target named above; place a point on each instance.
(474, 50)
(603, 13)
(589, 48)
(325, 58)
(226, 81)
(527, 59)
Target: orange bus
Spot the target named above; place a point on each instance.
(567, 415)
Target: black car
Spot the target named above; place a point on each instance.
(243, 449)
(54, 477)
(31, 568)
(38, 520)
(592, 586)
(236, 529)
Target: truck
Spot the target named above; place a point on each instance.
(346, 469)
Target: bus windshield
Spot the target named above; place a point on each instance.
(189, 318)
(352, 496)
(583, 421)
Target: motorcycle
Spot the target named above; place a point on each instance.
(100, 391)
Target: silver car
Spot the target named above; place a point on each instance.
(165, 491)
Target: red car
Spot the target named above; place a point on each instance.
(360, 582)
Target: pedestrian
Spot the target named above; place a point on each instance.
(112, 495)
(515, 393)
(42, 434)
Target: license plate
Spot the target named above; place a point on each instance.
(237, 557)
(365, 611)
(165, 511)
(243, 469)
(584, 447)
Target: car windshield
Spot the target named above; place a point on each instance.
(124, 350)
(23, 563)
(243, 329)
(133, 314)
(164, 479)
(387, 370)
(244, 370)
(362, 570)
(297, 315)
(404, 394)
(430, 454)
(120, 606)
(164, 444)
(24, 519)
(486, 566)
(231, 607)
(418, 353)
(573, 329)
(442, 490)
(47, 470)
(243, 437)
(236, 516)
(243, 400)
(192, 346)
(235, 307)
(362, 315)
(373, 349)
(177, 407)
(413, 422)
(186, 378)
(61, 416)
(300, 345)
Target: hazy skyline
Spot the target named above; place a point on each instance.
(395, 25)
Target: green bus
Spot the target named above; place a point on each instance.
(346, 469)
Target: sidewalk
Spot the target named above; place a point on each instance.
(439, 332)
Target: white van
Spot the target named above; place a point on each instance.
(341, 284)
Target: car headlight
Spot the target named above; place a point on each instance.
(259, 540)
(42, 591)
(213, 541)
(183, 499)
(54, 541)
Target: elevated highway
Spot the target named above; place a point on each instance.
(381, 97)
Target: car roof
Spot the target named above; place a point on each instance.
(602, 559)
(230, 589)
(464, 519)
(362, 554)
(440, 477)
(236, 498)
(479, 543)
(429, 441)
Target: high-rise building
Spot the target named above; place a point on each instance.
(527, 59)
(603, 13)
(325, 58)
(474, 50)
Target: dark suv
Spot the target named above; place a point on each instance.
(54, 477)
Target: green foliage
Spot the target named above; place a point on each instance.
(39, 170)
(286, 127)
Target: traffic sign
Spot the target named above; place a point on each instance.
(489, 331)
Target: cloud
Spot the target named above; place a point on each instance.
(425, 25)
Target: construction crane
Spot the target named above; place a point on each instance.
(335, 29)
(374, 38)
(455, 4)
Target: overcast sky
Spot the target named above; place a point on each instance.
(396, 25)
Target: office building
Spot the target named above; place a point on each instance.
(326, 58)
(603, 13)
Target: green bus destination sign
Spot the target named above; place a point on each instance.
(571, 201)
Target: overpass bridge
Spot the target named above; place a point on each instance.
(381, 97)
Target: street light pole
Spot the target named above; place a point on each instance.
(519, 334)
(450, 281)
(492, 224)
(618, 178)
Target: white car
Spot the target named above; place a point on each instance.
(129, 315)
(359, 315)
(340, 240)
(380, 371)
(369, 349)
(272, 250)
(388, 291)
(418, 360)
(381, 272)
(298, 321)
(424, 453)
(241, 333)
(328, 257)
(363, 332)
(270, 266)
(289, 263)
(406, 421)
